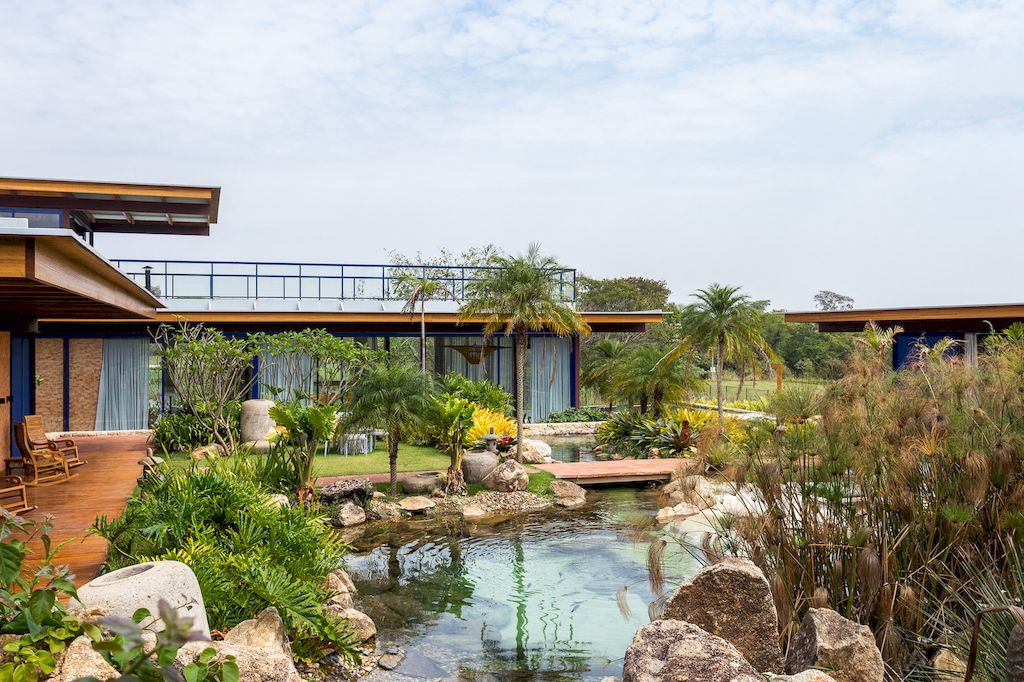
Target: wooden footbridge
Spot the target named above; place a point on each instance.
(620, 471)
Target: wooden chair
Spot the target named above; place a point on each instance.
(38, 439)
(13, 497)
(45, 465)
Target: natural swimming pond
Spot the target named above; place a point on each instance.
(571, 448)
(531, 597)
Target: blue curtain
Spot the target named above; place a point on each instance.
(547, 376)
(124, 385)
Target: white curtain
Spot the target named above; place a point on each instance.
(547, 376)
(498, 367)
(124, 385)
(292, 374)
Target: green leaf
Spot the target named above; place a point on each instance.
(140, 615)
(192, 672)
(39, 606)
(229, 671)
(207, 655)
(11, 555)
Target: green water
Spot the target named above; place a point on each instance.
(532, 597)
(571, 448)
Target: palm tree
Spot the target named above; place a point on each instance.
(646, 376)
(419, 290)
(725, 322)
(395, 397)
(599, 365)
(520, 294)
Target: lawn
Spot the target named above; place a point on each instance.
(765, 386)
(410, 458)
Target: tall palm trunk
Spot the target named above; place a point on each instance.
(393, 460)
(423, 335)
(743, 376)
(521, 347)
(719, 368)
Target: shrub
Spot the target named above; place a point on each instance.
(246, 555)
(183, 431)
(484, 420)
(578, 414)
(482, 392)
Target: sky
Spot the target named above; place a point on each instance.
(871, 148)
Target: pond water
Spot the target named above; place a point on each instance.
(571, 448)
(529, 598)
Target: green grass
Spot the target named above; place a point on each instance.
(410, 458)
(765, 386)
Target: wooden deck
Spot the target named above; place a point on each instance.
(101, 488)
(621, 471)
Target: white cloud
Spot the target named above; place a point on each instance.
(805, 141)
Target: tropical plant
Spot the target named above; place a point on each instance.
(487, 421)
(600, 367)
(454, 420)
(307, 430)
(183, 431)
(395, 397)
(481, 392)
(652, 376)
(727, 323)
(579, 414)
(519, 295)
(210, 372)
(246, 554)
(419, 289)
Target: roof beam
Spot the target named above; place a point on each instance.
(111, 205)
(152, 227)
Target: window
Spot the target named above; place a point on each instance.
(37, 217)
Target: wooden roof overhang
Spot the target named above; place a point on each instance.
(51, 273)
(966, 318)
(359, 323)
(118, 207)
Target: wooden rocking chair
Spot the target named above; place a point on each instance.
(37, 438)
(45, 465)
(13, 497)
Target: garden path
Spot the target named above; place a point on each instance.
(102, 487)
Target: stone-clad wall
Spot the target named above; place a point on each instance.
(50, 389)
(561, 429)
(86, 363)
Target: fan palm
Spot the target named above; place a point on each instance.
(520, 294)
(419, 290)
(725, 322)
(395, 397)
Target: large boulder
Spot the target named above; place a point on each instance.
(732, 599)
(948, 667)
(381, 509)
(357, 490)
(362, 626)
(416, 504)
(341, 589)
(476, 465)
(81, 660)
(124, 591)
(255, 420)
(805, 676)
(509, 477)
(829, 642)
(674, 650)
(255, 664)
(265, 631)
(422, 484)
(1015, 655)
(568, 494)
(532, 451)
(349, 514)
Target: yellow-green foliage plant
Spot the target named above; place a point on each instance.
(484, 420)
(885, 506)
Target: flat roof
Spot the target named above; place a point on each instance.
(954, 312)
(119, 207)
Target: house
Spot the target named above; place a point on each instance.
(76, 329)
(967, 325)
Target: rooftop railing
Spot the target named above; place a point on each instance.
(208, 280)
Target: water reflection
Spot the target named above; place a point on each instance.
(530, 598)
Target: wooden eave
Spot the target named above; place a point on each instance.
(57, 275)
(126, 207)
(968, 312)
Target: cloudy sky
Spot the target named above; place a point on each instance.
(872, 148)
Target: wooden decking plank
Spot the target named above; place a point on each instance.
(102, 487)
(613, 471)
